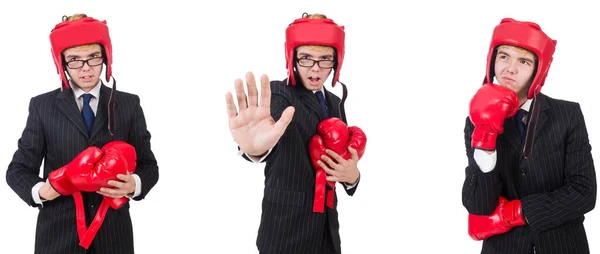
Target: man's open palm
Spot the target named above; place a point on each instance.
(252, 127)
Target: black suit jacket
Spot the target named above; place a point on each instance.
(288, 224)
(55, 132)
(556, 183)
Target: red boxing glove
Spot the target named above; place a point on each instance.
(118, 157)
(332, 134)
(335, 137)
(335, 134)
(85, 161)
(358, 141)
(490, 106)
(126, 155)
(506, 216)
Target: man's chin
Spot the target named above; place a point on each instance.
(312, 86)
(86, 85)
(508, 86)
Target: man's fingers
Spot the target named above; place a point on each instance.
(285, 120)
(332, 164)
(335, 156)
(117, 184)
(110, 195)
(110, 191)
(252, 92)
(241, 95)
(127, 177)
(334, 179)
(327, 169)
(231, 109)
(353, 153)
(265, 91)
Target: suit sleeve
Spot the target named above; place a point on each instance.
(578, 195)
(24, 169)
(279, 102)
(147, 167)
(480, 190)
(352, 190)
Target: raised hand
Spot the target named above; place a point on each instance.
(253, 127)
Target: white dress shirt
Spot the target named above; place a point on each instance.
(77, 92)
(487, 162)
(256, 159)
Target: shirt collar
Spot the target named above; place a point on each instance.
(322, 90)
(526, 105)
(78, 92)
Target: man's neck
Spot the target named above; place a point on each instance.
(522, 101)
(78, 90)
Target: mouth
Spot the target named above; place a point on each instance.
(314, 79)
(509, 80)
(86, 78)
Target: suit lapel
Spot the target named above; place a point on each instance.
(510, 130)
(68, 107)
(309, 99)
(102, 111)
(511, 134)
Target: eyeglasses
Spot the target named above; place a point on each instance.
(76, 64)
(321, 63)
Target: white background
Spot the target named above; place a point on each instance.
(410, 69)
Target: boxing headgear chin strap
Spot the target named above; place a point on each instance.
(84, 31)
(527, 35)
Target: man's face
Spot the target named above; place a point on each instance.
(313, 77)
(513, 69)
(84, 75)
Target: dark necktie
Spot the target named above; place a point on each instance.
(322, 102)
(87, 113)
(520, 123)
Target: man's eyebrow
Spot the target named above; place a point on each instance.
(92, 54)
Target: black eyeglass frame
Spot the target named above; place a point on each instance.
(81, 63)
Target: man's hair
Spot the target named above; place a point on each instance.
(518, 49)
(76, 17)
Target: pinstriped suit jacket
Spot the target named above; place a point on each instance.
(556, 184)
(288, 224)
(55, 132)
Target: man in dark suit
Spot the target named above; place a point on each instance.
(530, 178)
(64, 122)
(278, 132)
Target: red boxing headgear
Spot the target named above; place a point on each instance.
(527, 35)
(306, 31)
(68, 34)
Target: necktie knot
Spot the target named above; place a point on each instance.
(321, 99)
(86, 98)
